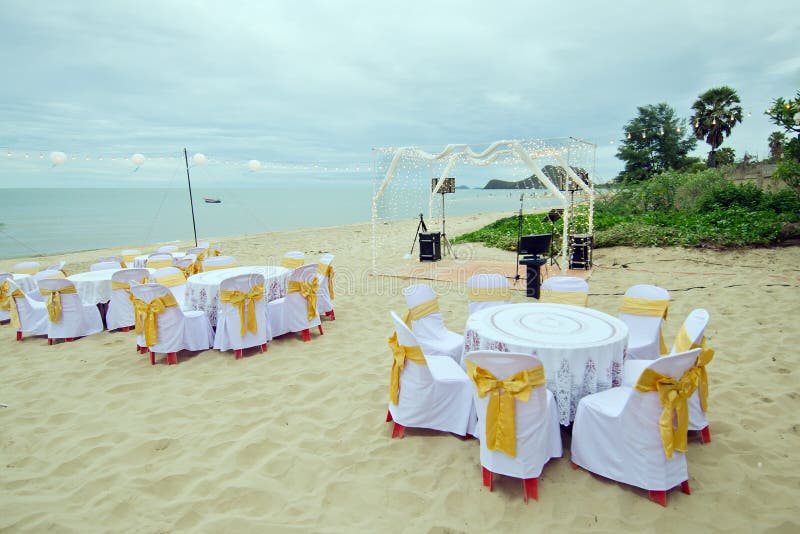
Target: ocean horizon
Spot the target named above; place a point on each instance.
(46, 221)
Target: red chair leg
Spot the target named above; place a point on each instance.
(487, 478)
(19, 335)
(172, 357)
(306, 335)
(49, 340)
(659, 497)
(70, 339)
(388, 416)
(705, 435)
(152, 358)
(264, 347)
(320, 330)
(574, 466)
(142, 350)
(237, 354)
(531, 487)
(685, 487)
(126, 328)
(398, 431)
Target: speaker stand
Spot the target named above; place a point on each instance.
(446, 242)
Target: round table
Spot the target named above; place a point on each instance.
(202, 290)
(94, 287)
(582, 349)
(140, 261)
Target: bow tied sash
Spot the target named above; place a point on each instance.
(146, 316)
(564, 297)
(245, 300)
(196, 266)
(327, 270)
(488, 294)
(309, 292)
(501, 431)
(683, 343)
(399, 355)
(673, 395)
(7, 302)
(54, 308)
(650, 308)
(291, 263)
(421, 311)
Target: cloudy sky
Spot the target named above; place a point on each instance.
(306, 83)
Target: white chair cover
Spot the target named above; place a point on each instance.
(616, 433)
(43, 275)
(566, 284)
(27, 267)
(324, 301)
(32, 313)
(177, 329)
(103, 265)
(77, 319)
(290, 313)
(156, 259)
(433, 335)
(644, 331)
(538, 431)
(120, 307)
(218, 261)
(117, 259)
(486, 281)
(185, 261)
(167, 248)
(59, 266)
(228, 335)
(4, 315)
(436, 396)
(179, 291)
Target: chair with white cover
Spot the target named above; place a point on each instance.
(517, 416)
(241, 316)
(565, 290)
(157, 260)
(26, 315)
(630, 434)
(129, 256)
(690, 336)
(169, 249)
(58, 266)
(174, 279)
(426, 390)
(293, 259)
(42, 275)
(193, 260)
(186, 265)
(120, 314)
(219, 262)
(68, 316)
(644, 309)
(297, 311)
(5, 297)
(104, 265)
(27, 267)
(487, 290)
(162, 327)
(325, 294)
(425, 320)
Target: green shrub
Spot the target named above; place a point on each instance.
(784, 202)
(748, 196)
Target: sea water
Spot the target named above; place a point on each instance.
(42, 221)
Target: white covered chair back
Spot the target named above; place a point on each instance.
(538, 435)
(219, 262)
(117, 259)
(428, 325)
(645, 341)
(157, 260)
(291, 313)
(129, 255)
(76, 318)
(325, 294)
(120, 308)
(41, 275)
(32, 314)
(230, 322)
(169, 249)
(58, 266)
(174, 279)
(27, 267)
(104, 265)
(695, 326)
(487, 290)
(565, 290)
(293, 259)
(185, 264)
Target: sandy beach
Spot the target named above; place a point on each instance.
(95, 439)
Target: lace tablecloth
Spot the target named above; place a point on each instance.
(94, 287)
(582, 349)
(202, 290)
(140, 261)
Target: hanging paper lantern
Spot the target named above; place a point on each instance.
(137, 159)
(199, 159)
(58, 158)
(254, 165)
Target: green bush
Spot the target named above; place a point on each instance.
(784, 202)
(748, 196)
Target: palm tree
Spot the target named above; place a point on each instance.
(716, 112)
(776, 140)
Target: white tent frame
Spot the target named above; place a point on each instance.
(454, 152)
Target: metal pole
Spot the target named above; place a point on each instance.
(191, 202)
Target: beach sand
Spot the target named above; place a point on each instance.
(94, 438)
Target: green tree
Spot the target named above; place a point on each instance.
(726, 156)
(716, 112)
(786, 113)
(776, 140)
(655, 141)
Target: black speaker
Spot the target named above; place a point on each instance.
(581, 256)
(430, 248)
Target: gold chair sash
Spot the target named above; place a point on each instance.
(291, 263)
(240, 299)
(128, 258)
(171, 280)
(650, 308)
(146, 313)
(216, 252)
(564, 297)
(399, 355)
(421, 310)
(683, 343)
(115, 284)
(501, 430)
(327, 270)
(28, 270)
(674, 395)
(8, 303)
(5, 295)
(207, 268)
(309, 292)
(487, 294)
(54, 307)
(158, 264)
(197, 265)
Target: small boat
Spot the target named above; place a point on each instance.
(212, 200)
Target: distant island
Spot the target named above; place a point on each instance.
(557, 175)
(463, 187)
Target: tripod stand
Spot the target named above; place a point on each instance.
(420, 226)
(447, 246)
(552, 217)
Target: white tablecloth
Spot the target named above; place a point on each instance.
(26, 283)
(140, 261)
(582, 349)
(94, 287)
(202, 290)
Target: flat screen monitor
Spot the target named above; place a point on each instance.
(534, 245)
